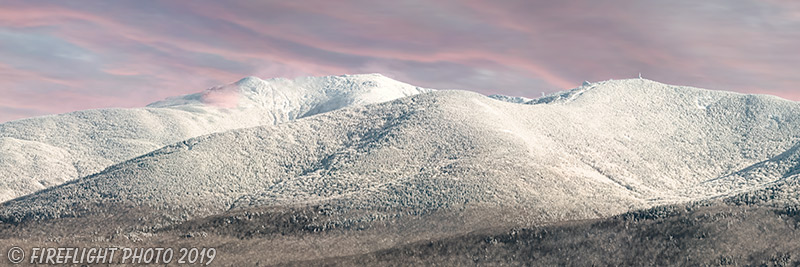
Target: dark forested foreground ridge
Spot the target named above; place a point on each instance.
(717, 233)
(696, 235)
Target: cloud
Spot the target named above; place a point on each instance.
(130, 53)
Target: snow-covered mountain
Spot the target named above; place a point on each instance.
(601, 149)
(45, 151)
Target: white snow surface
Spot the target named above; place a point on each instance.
(598, 150)
(511, 99)
(40, 152)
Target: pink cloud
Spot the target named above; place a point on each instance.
(464, 55)
(559, 43)
(115, 32)
(226, 96)
(9, 76)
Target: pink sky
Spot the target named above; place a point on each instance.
(61, 56)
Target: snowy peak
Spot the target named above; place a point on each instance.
(254, 92)
(249, 81)
(89, 141)
(639, 91)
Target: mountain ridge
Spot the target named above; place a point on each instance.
(585, 171)
(642, 154)
(95, 139)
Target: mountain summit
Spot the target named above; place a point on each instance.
(299, 97)
(40, 152)
(598, 150)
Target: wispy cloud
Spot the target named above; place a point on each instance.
(128, 53)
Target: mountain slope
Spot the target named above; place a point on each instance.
(417, 155)
(446, 164)
(39, 152)
(608, 148)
